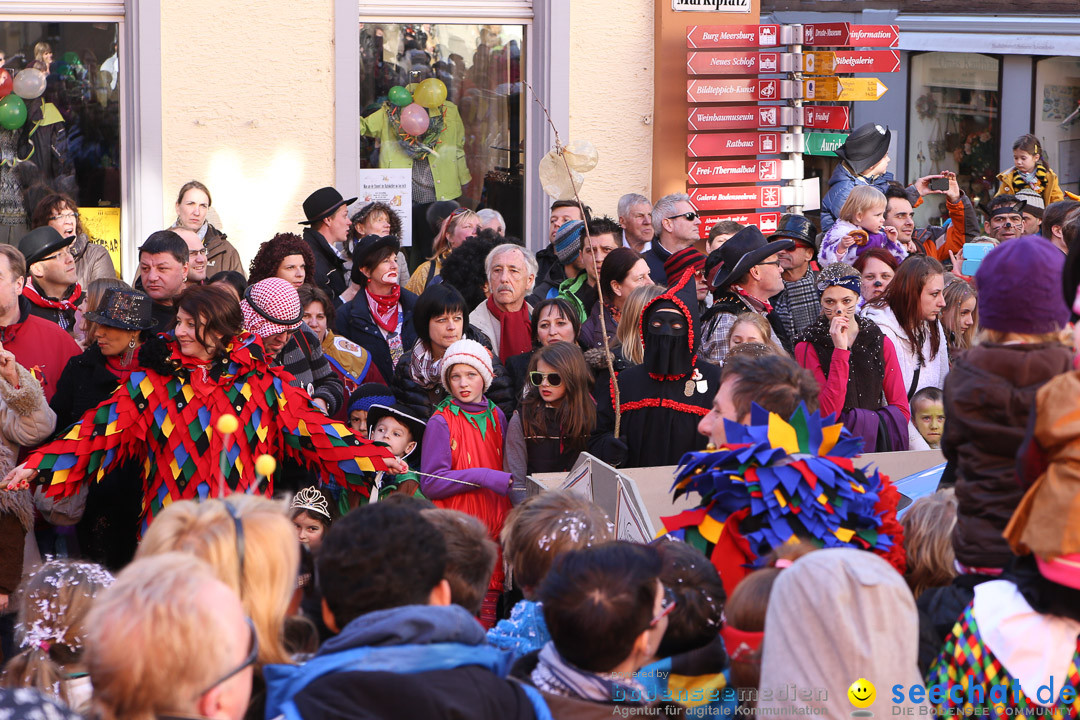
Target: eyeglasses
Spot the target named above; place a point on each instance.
(197, 253)
(64, 216)
(773, 262)
(691, 216)
(669, 604)
(537, 378)
(252, 655)
(60, 254)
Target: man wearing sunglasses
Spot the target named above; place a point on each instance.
(676, 225)
(171, 640)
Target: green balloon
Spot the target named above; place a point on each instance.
(399, 96)
(12, 112)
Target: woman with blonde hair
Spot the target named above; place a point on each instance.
(960, 316)
(250, 543)
(52, 630)
(628, 335)
(458, 227)
(750, 327)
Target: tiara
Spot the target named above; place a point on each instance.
(311, 499)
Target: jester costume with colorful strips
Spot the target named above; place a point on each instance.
(776, 482)
(166, 413)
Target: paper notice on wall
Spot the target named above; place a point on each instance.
(392, 186)
(103, 226)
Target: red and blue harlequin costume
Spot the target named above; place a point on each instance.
(165, 414)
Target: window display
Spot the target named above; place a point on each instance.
(954, 122)
(1057, 116)
(445, 101)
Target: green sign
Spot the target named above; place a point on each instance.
(821, 143)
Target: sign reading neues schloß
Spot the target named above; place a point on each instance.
(727, 6)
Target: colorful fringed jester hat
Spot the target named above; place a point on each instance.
(775, 482)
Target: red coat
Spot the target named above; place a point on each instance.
(40, 346)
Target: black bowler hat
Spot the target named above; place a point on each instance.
(322, 203)
(742, 251)
(365, 247)
(865, 147)
(42, 242)
(123, 308)
(400, 413)
(797, 228)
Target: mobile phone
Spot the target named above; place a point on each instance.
(939, 183)
(974, 253)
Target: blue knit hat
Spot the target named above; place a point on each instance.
(370, 394)
(1018, 286)
(568, 241)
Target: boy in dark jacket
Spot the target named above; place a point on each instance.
(402, 649)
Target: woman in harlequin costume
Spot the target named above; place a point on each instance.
(462, 460)
(775, 482)
(165, 415)
(664, 398)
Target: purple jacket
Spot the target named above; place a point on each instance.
(437, 459)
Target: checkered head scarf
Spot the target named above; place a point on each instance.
(271, 306)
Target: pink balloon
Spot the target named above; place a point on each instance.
(414, 119)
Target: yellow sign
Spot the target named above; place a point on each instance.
(103, 226)
(819, 63)
(843, 89)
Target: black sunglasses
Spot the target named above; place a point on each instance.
(537, 378)
(252, 655)
(691, 216)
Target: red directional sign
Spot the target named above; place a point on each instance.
(737, 197)
(739, 117)
(740, 62)
(740, 90)
(826, 117)
(733, 171)
(851, 35)
(732, 36)
(735, 144)
(851, 61)
(766, 222)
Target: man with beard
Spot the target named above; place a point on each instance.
(663, 399)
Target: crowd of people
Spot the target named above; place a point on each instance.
(301, 490)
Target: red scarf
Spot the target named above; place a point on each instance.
(515, 330)
(766, 308)
(70, 303)
(384, 308)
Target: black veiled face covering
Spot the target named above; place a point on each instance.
(667, 345)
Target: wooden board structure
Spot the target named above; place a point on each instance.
(622, 492)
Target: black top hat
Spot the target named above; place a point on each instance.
(370, 244)
(795, 227)
(41, 242)
(400, 413)
(865, 147)
(322, 203)
(742, 251)
(123, 308)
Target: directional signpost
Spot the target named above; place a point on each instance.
(826, 117)
(740, 117)
(819, 143)
(740, 62)
(735, 144)
(767, 222)
(848, 35)
(740, 197)
(739, 36)
(851, 61)
(714, 172)
(740, 90)
(843, 89)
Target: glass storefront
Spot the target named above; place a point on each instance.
(1057, 122)
(954, 122)
(472, 147)
(60, 124)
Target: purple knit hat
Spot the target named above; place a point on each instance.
(1019, 287)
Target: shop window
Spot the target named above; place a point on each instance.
(473, 148)
(954, 122)
(60, 125)
(1057, 116)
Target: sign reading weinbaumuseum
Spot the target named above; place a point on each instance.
(725, 6)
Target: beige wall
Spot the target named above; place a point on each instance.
(248, 109)
(611, 96)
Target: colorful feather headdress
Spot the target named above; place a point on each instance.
(777, 482)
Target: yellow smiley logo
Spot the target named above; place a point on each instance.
(862, 693)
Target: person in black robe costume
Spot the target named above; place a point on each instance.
(663, 399)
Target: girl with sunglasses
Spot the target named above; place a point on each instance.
(552, 426)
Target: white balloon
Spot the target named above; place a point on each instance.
(29, 83)
(581, 155)
(558, 182)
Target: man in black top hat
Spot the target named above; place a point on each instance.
(799, 304)
(51, 287)
(327, 215)
(747, 276)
